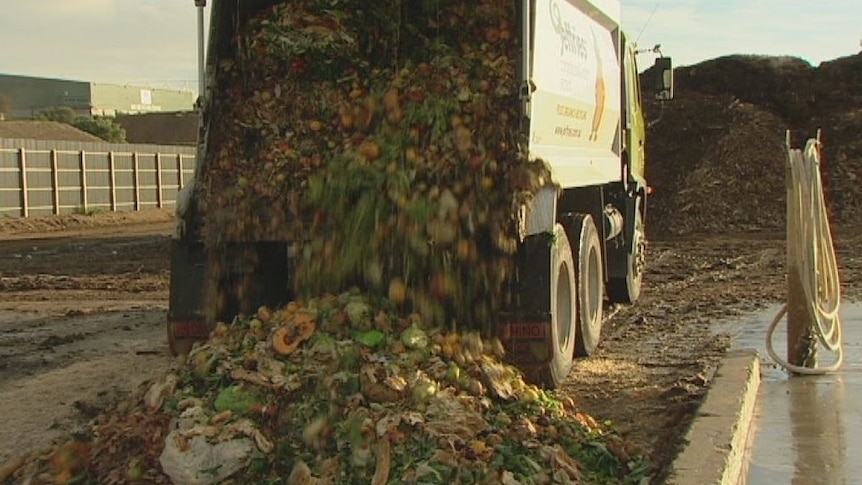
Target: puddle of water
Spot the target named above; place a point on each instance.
(806, 429)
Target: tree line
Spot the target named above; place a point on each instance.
(104, 127)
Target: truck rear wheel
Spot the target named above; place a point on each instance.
(540, 339)
(589, 277)
(563, 308)
(627, 289)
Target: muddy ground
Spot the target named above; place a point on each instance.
(82, 322)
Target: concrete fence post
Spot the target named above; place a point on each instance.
(136, 180)
(179, 171)
(159, 180)
(84, 199)
(25, 196)
(112, 180)
(55, 182)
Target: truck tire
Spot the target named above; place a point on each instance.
(589, 277)
(545, 289)
(627, 289)
(563, 308)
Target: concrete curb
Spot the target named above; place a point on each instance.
(718, 435)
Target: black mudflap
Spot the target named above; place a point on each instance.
(525, 331)
(186, 318)
(208, 288)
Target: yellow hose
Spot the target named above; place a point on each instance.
(809, 246)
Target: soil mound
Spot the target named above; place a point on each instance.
(717, 152)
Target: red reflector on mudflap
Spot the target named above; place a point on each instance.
(196, 329)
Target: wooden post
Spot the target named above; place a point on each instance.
(801, 343)
(158, 180)
(112, 181)
(55, 182)
(25, 197)
(84, 200)
(136, 181)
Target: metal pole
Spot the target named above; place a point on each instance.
(201, 81)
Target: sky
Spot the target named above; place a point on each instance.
(154, 42)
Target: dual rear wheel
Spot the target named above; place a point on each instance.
(576, 290)
(590, 285)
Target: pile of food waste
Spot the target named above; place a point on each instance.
(341, 390)
(383, 139)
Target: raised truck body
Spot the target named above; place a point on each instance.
(581, 239)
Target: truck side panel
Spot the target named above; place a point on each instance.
(575, 106)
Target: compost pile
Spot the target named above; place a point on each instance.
(381, 138)
(340, 390)
(717, 156)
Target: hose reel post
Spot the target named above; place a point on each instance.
(814, 290)
(801, 342)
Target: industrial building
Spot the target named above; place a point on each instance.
(24, 97)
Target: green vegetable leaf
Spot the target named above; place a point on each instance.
(371, 338)
(238, 400)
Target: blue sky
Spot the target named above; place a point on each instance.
(695, 30)
(153, 42)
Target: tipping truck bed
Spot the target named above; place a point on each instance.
(486, 158)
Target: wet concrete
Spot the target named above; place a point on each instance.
(806, 429)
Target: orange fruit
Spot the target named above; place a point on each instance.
(346, 121)
(465, 250)
(411, 155)
(369, 150)
(264, 314)
(397, 291)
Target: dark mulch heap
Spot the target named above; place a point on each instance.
(717, 157)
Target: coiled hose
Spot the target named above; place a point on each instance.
(811, 254)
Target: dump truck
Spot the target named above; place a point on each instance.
(571, 75)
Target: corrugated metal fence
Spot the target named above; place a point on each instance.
(59, 177)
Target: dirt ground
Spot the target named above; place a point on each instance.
(82, 322)
(82, 318)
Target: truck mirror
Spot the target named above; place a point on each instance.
(664, 84)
